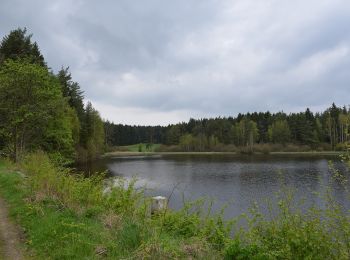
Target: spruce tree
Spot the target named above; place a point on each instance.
(18, 45)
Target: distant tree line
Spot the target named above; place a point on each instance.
(329, 129)
(43, 110)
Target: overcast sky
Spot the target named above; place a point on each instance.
(159, 62)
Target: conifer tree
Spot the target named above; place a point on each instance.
(18, 45)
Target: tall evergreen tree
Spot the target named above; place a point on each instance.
(18, 45)
(93, 138)
(72, 91)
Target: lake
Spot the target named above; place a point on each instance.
(230, 180)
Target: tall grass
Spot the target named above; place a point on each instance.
(67, 216)
(72, 206)
(293, 234)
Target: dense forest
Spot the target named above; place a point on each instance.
(328, 130)
(43, 110)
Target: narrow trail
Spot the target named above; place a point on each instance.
(9, 236)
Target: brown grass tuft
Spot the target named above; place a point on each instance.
(111, 220)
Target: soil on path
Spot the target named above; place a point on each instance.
(10, 244)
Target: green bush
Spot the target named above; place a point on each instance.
(341, 147)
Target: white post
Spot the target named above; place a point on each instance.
(159, 204)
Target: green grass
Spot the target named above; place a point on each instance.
(140, 147)
(65, 216)
(51, 230)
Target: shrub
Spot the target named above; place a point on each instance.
(76, 192)
(235, 250)
(168, 148)
(341, 147)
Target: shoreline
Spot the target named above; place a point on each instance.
(311, 153)
(107, 223)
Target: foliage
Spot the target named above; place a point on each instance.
(72, 91)
(328, 130)
(93, 135)
(141, 147)
(200, 143)
(89, 215)
(33, 113)
(40, 110)
(292, 234)
(18, 45)
(279, 132)
(245, 133)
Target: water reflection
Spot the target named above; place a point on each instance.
(234, 180)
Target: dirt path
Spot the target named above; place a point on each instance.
(9, 236)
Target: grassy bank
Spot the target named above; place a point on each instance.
(273, 149)
(141, 147)
(65, 216)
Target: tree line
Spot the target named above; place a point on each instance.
(40, 109)
(328, 130)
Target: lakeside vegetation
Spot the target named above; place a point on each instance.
(124, 153)
(246, 133)
(256, 149)
(141, 147)
(43, 110)
(66, 216)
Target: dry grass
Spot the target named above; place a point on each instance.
(111, 220)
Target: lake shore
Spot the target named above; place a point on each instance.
(66, 216)
(311, 153)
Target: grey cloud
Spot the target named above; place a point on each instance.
(194, 58)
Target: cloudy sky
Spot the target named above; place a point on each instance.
(159, 61)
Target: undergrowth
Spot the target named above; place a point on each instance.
(67, 216)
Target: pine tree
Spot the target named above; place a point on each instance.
(72, 91)
(18, 45)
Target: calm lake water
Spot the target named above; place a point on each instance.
(230, 180)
